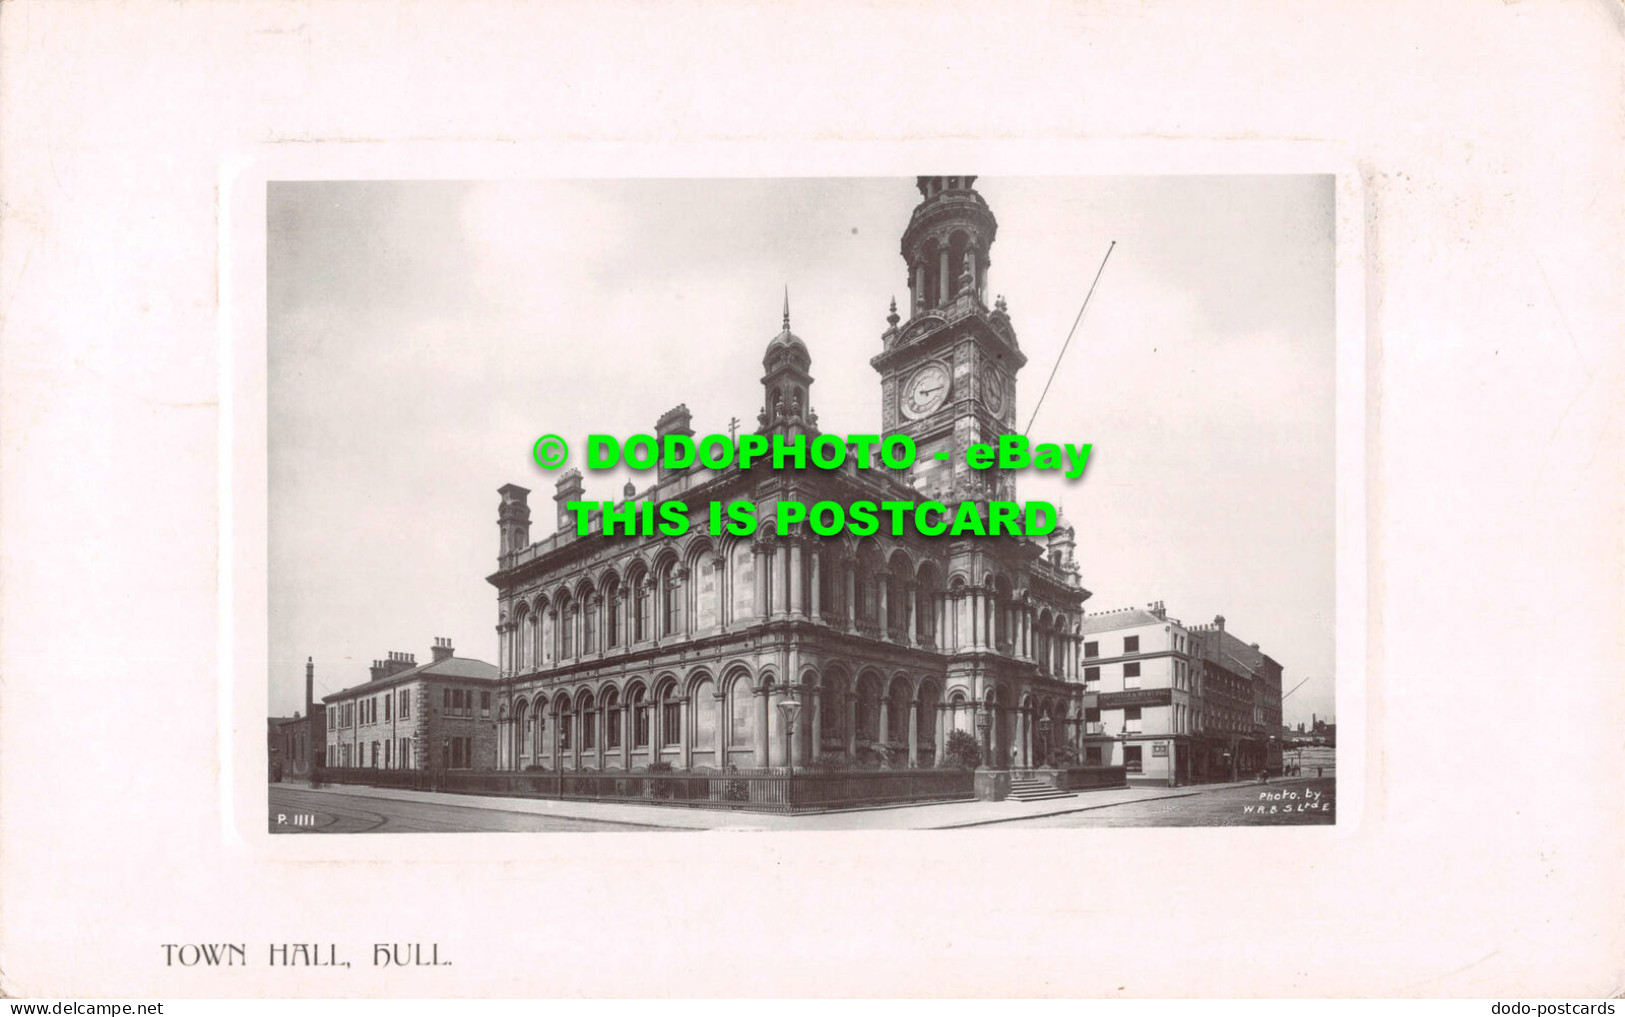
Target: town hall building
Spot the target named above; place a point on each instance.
(705, 652)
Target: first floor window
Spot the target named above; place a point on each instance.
(1131, 758)
(1091, 649)
(1131, 720)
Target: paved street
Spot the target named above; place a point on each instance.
(338, 812)
(1308, 802)
(356, 809)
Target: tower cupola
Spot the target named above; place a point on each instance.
(786, 383)
(946, 244)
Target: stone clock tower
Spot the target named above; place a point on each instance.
(948, 373)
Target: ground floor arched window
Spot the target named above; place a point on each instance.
(741, 713)
(705, 713)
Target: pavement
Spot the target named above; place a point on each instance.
(433, 810)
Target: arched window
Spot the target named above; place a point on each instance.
(741, 713)
(671, 718)
(704, 698)
(567, 628)
(589, 723)
(612, 720)
(612, 621)
(832, 709)
(565, 726)
(830, 585)
(522, 730)
(546, 625)
(589, 624)
(640, 719)
(640, 608)
(897, 714)
(671, 600)
(527, 641)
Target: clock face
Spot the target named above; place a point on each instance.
(926, 391)
(994, 389)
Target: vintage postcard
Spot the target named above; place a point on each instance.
(792, 500)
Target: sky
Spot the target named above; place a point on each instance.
(424, 334)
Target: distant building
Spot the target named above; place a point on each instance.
(408, 716)
(273, 746)
(1140, 708)
(1165, 700)
(299, 743)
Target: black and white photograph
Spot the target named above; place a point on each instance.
(1099, 501)
(451, 652)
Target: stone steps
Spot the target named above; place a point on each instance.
(1036, 791)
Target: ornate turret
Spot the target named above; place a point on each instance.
(786, 383)
(946, 244)
(513, 518)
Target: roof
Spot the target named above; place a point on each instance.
(1124, 618)
(457, 668)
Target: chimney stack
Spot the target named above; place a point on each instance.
(568, 489)
(513, 519)
(310, 683)
(442, 649)
(673, 421)
(377, 670)
(398, 662)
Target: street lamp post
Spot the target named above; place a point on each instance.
(790, 708)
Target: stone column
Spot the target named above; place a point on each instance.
(851, 725)
(942, 733)
(911, 636)
(796, 607)
(720, 748)
(626, 735)
(817, 730)
(762, 579)
(761, 728)
(851, 594)
(885, 718)
(719, 569)
(817, 610)
(970, 268)
(913, 732)
(685, 732)
(944, 284)
(882, 584)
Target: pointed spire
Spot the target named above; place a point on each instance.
(787, 307)
(891, 316)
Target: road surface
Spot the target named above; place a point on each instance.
(1303, 802)
(336, 812)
